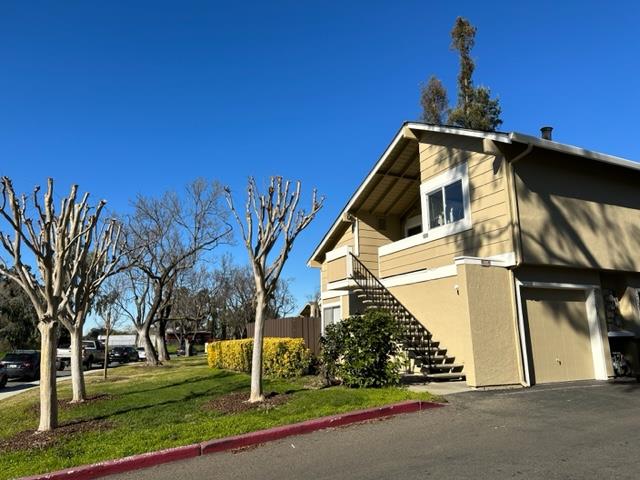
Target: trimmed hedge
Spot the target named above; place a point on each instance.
(281, 357)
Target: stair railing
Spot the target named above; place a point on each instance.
(415, 334)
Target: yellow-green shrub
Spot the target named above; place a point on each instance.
(281, 357)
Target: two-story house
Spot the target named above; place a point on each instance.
(509, 259)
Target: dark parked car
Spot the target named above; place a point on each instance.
(22, 364)
(122, 354)
(133, 354)
(3, 375)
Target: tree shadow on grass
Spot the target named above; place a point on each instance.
(214, 391)
(182, 382)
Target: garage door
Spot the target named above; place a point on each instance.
(559, 339)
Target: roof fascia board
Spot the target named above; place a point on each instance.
(498, 137)
(572, 150)
(390, 148)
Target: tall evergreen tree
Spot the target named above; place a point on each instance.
(475, 109)
(433, 99)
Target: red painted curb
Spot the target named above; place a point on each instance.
(121, 465)
(261, 436)
(150, 459)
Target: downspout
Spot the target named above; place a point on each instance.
(517, 235)
(514, 195)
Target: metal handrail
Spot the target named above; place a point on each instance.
(416, 335)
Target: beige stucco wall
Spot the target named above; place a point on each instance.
(443, 310)
(578, 213)
(491, 232)
(492, 317)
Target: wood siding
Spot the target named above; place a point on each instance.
(323, 277)
(491, 231)
(336, 269)
(371, 237)
(345, 239)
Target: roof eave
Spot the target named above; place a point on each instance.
(573, 150)
(403, 132)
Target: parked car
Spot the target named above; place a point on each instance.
(122, 354)
(22, 364)
(4, 377)
(92, 353)
(142, 355)
(134, 356)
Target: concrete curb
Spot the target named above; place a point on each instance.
(122, 465)
(150, 459)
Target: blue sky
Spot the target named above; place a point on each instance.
(144, 96)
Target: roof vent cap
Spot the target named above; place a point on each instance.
(545, 133)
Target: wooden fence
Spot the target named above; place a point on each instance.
(293, 327)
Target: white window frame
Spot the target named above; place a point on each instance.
(331, 305)
(439, 182)
(412, 222)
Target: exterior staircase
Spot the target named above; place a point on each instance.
(425, 354)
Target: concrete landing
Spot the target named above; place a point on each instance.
(442, 389)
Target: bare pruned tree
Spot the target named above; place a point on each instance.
(282, 302)
(269, 218)
(234, 302)
(107, 307)
(97, 258)
(57, 243)
(134, 300)
(166, 236)
(192, 305)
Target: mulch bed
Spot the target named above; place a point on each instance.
(236, 402)
(31, 439)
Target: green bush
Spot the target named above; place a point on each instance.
(360, 350)
(281, 357)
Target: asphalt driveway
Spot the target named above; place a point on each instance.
(562, 431)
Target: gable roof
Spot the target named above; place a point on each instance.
(405, 133)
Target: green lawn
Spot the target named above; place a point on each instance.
(155, 408)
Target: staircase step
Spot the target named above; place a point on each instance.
(446, 376)
(444, 366)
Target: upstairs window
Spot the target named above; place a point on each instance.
(445, 203)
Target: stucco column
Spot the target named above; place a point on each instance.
(492, 325)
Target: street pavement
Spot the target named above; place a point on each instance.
(16, 385)
(563, 431)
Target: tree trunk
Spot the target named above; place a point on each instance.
(149, 349)
(256, 358)
(163, 352)
(77, 370)
(48, 390)
(223, 329)
(106, 353)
